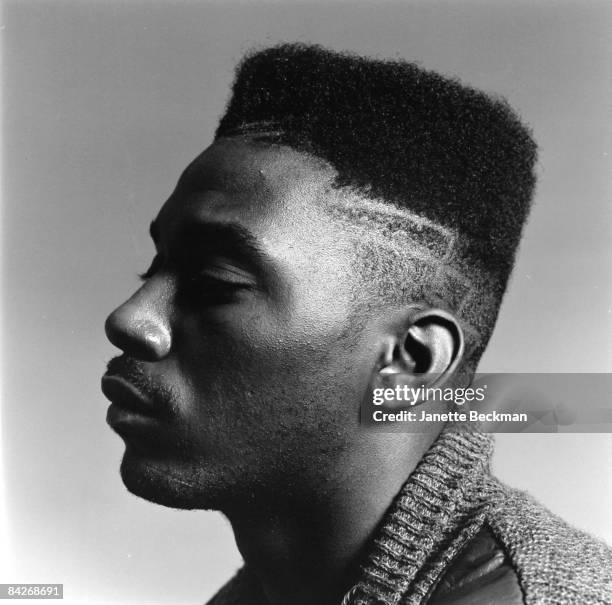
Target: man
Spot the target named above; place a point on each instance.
(352, 226)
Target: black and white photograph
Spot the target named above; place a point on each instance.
(306, 303)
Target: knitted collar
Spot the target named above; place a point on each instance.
(428, 521)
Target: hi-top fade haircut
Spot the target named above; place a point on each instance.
(433, 178)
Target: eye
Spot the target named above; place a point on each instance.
(217, 284)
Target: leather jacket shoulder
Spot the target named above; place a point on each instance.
(481, 574)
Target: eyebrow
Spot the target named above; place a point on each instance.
(216, 237)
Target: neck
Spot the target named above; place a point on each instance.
(306, 548)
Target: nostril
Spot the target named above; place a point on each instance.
(155, 337)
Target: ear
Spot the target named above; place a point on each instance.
(427, 348)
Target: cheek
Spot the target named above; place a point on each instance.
(297, 329)
(240, 358)
(264, 385)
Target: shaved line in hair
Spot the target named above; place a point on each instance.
(405, 257)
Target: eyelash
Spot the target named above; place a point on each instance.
(152, 270)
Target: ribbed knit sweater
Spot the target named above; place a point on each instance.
(449, 497)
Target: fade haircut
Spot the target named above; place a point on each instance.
(434, 178)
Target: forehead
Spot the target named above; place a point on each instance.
(237, 180)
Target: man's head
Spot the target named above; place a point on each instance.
(350, 216)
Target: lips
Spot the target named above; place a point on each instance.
(126, 396)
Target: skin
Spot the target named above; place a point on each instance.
(255, 368)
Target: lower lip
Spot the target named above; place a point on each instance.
(123, 420)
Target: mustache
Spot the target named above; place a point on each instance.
(164, 397)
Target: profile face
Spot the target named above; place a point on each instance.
(241, 369)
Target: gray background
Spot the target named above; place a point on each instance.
(105, 103)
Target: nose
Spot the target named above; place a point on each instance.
(140, 328)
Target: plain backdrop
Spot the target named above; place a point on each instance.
(104, 103)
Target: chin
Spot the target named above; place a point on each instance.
(173, 484)
(160, 482)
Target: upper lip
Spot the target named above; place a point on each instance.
(123, 393)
